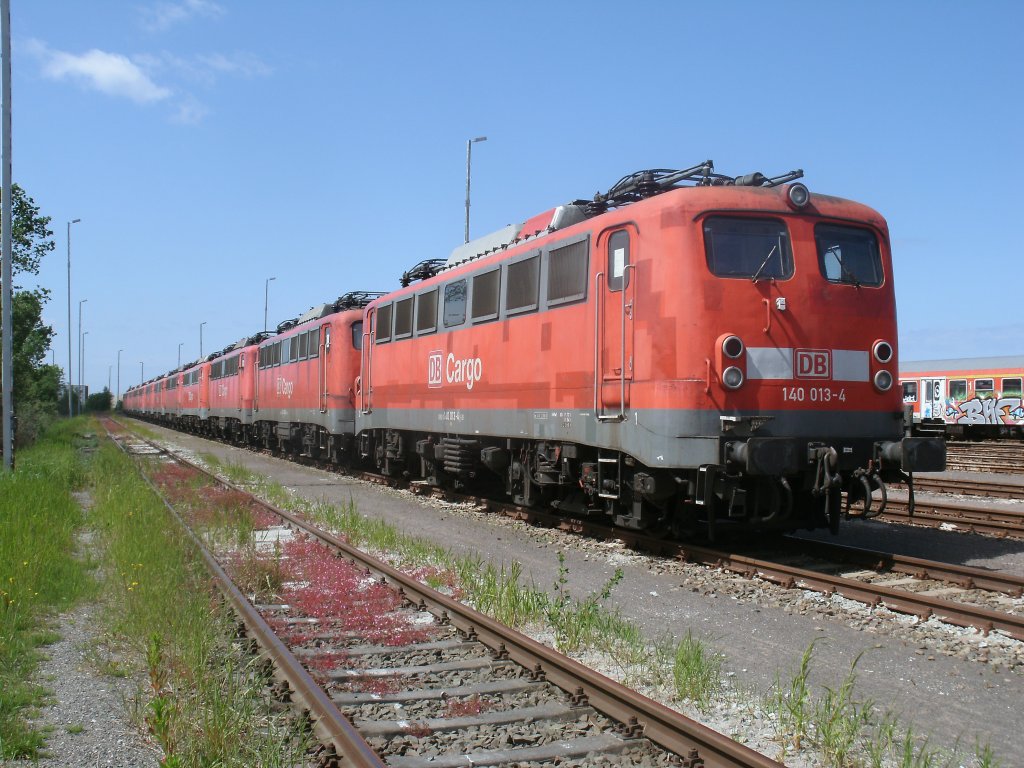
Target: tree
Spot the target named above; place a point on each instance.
(99, 402)
(35, 384)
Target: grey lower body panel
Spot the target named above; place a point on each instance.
(657, 438)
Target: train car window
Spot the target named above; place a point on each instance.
(276, 358)
(1011, 387)
(984, 387)
(567, 273)
(383, 323)
(958, 389)
(314, 343)
(357, 334)
(909, 391)
(754, 249)
(403, 318)
(303, 346)
(485, 296)
(455, 303)
(618, 260)
(522, 286)
(426, 312)
(293, 352)
(848, 255)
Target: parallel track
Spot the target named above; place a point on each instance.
(642, 722)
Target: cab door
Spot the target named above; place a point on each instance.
(614, 305)
(323, 350)
(933, 393)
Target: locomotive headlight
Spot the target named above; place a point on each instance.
(882, 351)
(883, 381)
(732, 377)
(732, 347)
(797, 195)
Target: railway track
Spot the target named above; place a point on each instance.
(390, 672)
(953, 594)
(995, 456)
(969, 487)
(966, 517)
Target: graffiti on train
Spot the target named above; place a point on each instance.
(989, 410)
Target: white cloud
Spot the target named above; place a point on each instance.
(190, 111)
(160, 16)
(109, 73)
(236, 64)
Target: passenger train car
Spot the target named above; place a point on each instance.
(689, 353)
(977, 397)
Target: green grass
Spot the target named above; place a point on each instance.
(39, 574)
(204, 702)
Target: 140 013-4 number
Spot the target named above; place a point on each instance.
(813, 395)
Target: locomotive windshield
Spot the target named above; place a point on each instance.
(848, 255)
(757, 249)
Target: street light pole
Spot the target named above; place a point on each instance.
(179, 351)
(266, 297)
(81, 364)
(80, 342)
(73, 221)
(201, 339)
(469, 158)
(118, 400)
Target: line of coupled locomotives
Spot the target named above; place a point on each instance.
(688, 354)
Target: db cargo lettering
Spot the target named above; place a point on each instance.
(467, 371)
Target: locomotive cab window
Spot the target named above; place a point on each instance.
(618, 260)
(958, 389)
(848, 255)
(303, 345)
(909, 391)
(357, 334)
(984, 388)
(455, 304)
(314, 342)
(1011, 387)
(293, 352)
(754, 249)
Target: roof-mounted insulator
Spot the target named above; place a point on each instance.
(284, 325)
(356, 299)
(422, 271)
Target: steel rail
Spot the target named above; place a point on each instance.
(968, 487)
(642, 716)
(923, 606)
(328, 723)
(974, 519)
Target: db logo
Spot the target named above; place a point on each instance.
(813, 364)
(435, 367)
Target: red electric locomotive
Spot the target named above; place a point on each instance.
(687, 352)
(233, 390)
(305, 378)
(974, 397)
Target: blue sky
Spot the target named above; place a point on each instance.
(207, 145)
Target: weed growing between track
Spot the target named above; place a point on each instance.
(39, 574)
(833, 727)
(204, 699)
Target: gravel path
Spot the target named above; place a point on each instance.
(87, 719)
(953, 685)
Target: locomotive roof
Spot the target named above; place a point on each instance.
(962, 364)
